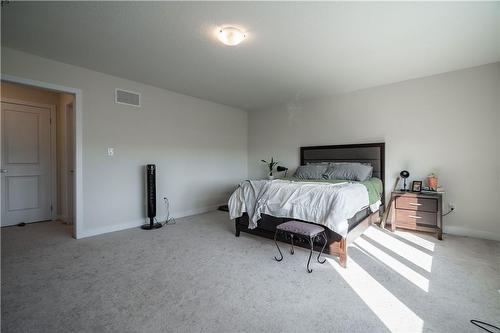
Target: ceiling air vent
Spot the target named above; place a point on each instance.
(127, 97)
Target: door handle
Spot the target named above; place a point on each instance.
(414, 204)
(415, 216)
(4, 170)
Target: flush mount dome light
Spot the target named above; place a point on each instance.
(230, 35)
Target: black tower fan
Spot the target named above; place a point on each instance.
(151, 197)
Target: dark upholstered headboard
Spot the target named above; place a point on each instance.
(373, 153)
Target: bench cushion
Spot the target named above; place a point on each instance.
(301, 228)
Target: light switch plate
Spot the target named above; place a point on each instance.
(111, 151)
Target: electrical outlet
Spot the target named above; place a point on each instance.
(451, 205)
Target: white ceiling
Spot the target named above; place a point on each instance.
(299, 49)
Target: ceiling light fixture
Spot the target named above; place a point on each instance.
(230, 35)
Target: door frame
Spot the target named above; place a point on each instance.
(53, 156)
(78, 144)
(68, 214)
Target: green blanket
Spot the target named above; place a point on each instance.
(373, 185)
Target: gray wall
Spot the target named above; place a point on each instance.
(449, 124)
(199, 147)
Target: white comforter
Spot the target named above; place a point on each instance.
(328, 204)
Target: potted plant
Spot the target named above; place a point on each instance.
(271, 166)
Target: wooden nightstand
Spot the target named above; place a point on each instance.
(417, 211)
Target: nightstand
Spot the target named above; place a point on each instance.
(417, 211)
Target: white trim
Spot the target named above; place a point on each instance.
(138, 223)
(196, 211)
(69, 177)
(53, 148)
(131, 92)
(111, 228)
(78, 197)
(467, 232)
(54, 190)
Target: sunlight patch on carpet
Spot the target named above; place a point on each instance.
(393, 313)
(410, 253)
(400, 268)
(423, 243)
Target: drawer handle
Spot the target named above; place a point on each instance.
(414, 204)
(415, 217)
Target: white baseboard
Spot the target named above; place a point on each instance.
(461, 231)
(137, 223)
(196, 211)
(104, 230)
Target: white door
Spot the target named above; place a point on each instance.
(70, 155)
(26, 169)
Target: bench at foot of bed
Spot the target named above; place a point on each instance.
(336, 244)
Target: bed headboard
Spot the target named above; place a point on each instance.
(373, 153)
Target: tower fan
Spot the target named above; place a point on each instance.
(151, 198)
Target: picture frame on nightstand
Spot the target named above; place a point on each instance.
(416, 186)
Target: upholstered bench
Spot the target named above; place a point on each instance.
(305, 230)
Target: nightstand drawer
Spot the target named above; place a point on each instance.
(410, 218)
(414, 203)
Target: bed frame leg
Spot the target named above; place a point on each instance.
(236, 228)
(343, 253)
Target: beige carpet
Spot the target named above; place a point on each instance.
(195, 276)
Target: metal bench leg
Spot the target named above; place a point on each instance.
(310, 254)
(323, 235)
(275, 242)
(291, 250)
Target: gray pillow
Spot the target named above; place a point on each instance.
(310, 171)
(349, 171)
(363, 163)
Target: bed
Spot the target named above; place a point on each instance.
(362, 218)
